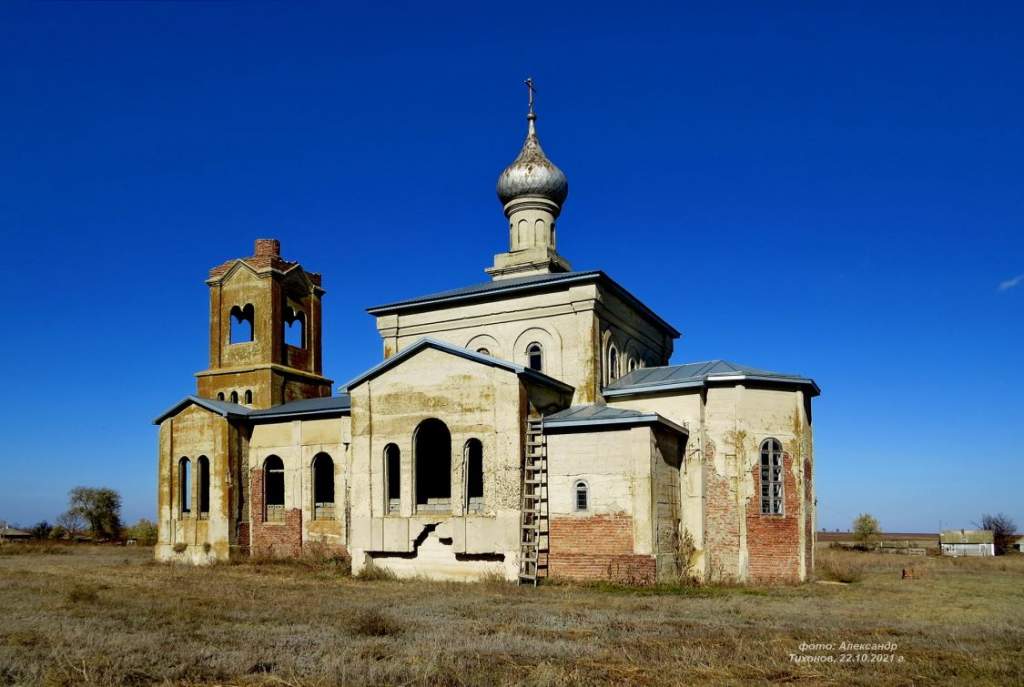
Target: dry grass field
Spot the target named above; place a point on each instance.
(110, 616)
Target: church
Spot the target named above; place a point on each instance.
(528, 427)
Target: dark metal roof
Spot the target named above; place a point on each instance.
(428, 342)
(648, 380)
(594, 416)
(305, 408)
(505, 287)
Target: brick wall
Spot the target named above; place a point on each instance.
(809, 524)
(274, 539)
(773, 541)
(597, 547)
(721, 518)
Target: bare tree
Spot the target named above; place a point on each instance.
(1002, 527)
(71, 523)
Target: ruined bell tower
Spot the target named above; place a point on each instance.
(265, 331)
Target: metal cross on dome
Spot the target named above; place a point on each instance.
(531, 89)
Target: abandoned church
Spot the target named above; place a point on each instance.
(529, 426)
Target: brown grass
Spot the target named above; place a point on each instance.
(110, 616)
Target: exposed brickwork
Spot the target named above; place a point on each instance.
(597, 547)
(243, 534)
(721, 519)
(809, 524)
(274, 539)
(773, 541)
(267, 256)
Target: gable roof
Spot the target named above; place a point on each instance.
(506, 287)
(646, 380)
(303, 409)
(222, 408)
(444, 346)
(595, 416)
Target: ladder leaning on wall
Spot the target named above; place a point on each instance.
(533, 512)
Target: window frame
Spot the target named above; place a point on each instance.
(392, 506)
(273, 513)
(323, 510)
(771, 465)
(473, 504)
(535, 348)
(184, 487)
(576, 496)
(203, 477)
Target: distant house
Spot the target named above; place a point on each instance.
(1018, 543)
(967, 543)
(9, 534)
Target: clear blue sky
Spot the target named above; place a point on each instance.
(812, 187)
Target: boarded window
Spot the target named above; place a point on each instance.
(323, 487)
(771, 477)
(432, 453)
(242, 323)
(273, 489)
(393, 474)
(203, 465)
(474, 475)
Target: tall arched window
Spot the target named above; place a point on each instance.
(185, 486)
(323, 487)
(581, 494)
(393, 476)
(248, 397)
(474, 471)
(234, 397)
(203, 466)
(613, 364)
(242, 323)
(535, 357)
(273, 489)
(295, 328)
(771, 477)
(432, 453)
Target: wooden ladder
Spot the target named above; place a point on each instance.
(533, 513)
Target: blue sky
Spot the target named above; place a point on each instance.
(822, 188)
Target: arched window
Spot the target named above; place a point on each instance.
(582, 496)
(393, 476)
(242, 323)
(248, 397)
(483, 351)
(203, 465)
(474, 471)
(185, 486)
(632, 364)
(432, 453)
(295, 328)
(613, 364)
(273, 489)
(535, 356)
(234, 397)
(323, 487)
(771, 477)
(220, 396)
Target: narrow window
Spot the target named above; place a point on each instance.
(771, 477)
(474, 476)
(185, 485)
(393, 475)
(234, 397)
(483, 351)
(242, 319)
(323, 487)
(582, 496)
(220, 396)
(613, 364)
(248, 397)
(295, 328)
(273, 489)
(632, 364)
(203, 465)
(432, 454)
(535, 357)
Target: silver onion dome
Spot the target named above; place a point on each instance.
(532, 173)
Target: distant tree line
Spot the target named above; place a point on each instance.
(94, 513)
